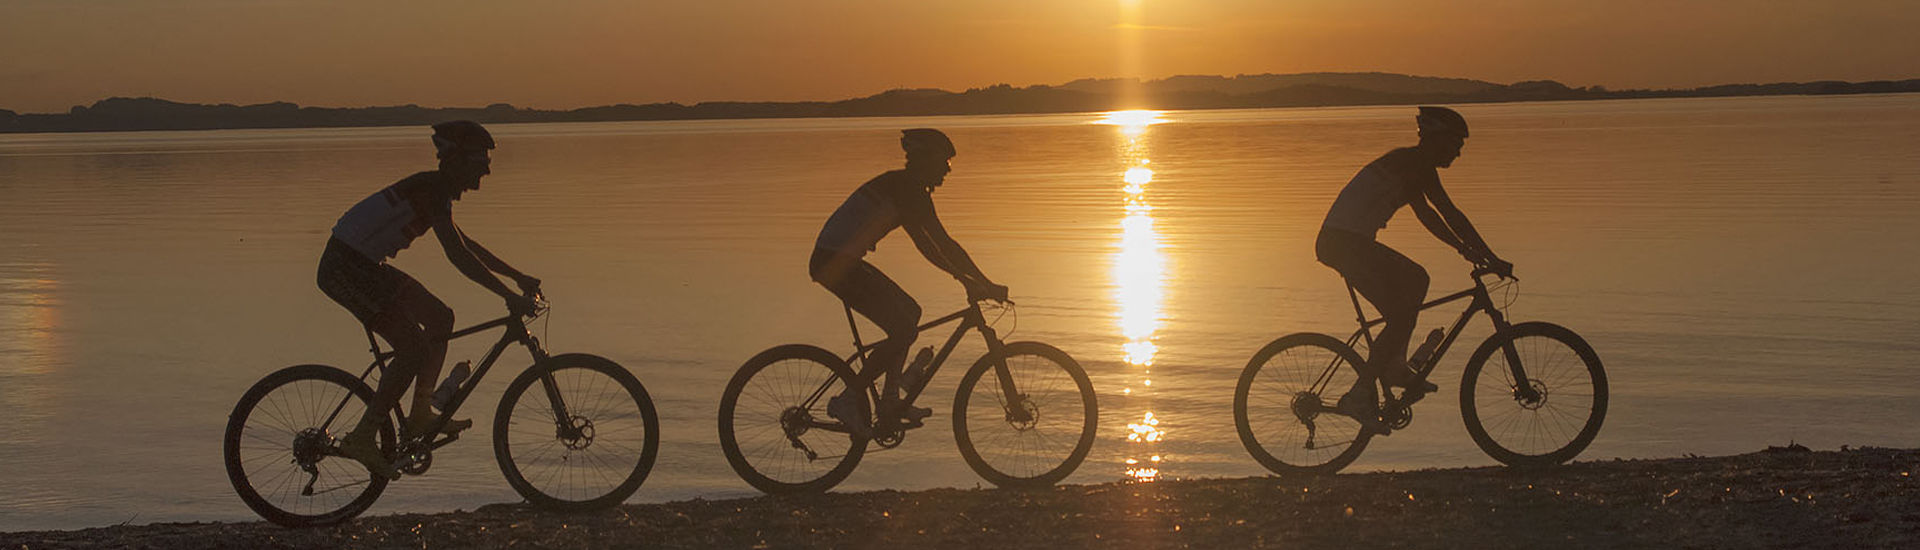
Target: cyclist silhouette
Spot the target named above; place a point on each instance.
(898, 198)
(354, 272)
(1394, 284)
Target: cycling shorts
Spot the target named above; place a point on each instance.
(361, 285)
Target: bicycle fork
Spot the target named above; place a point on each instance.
(1523, 388)
(1019, 412)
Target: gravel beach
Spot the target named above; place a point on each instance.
(1783, 497)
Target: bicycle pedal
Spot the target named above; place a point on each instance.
(917, 414)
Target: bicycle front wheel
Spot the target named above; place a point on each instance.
(1541, 412)
(1033, 433)
(1283, 406)
(774, 427)
(575, 432)
(279, 447)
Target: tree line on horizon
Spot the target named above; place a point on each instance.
(1174, 93)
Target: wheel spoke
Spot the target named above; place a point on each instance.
(1558, 421)
(757, 444)
(278, 424)
(1039, 450)
(592, 466)
(1312, 370)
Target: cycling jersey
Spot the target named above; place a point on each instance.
(1376, 193)
(872, 211)
(385, 222)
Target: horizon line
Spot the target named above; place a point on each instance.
(1142, 80)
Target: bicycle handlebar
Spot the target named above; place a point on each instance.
(1007, 301)
(1482, 271)
(540, 305)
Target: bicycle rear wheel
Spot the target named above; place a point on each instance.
(1552, 423)
(279, 447)
(594, 458)
(1283, 406)
(774, 427)
(1035, 437)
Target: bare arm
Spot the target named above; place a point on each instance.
(527, 282)
(1447, 222)
(1434, 223)
(931, 237)
(945, 253)
(1459, 231)
(455, 244)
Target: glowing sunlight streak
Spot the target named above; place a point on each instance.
(30, 342)
(1133, 124)
(1139, 273)
(29, 319)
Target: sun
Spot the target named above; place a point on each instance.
(1133, 118)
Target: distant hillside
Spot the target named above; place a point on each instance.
(1179, 92)
(1258, 83)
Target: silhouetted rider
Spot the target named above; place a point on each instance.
(354, 272)
(1396, 285)
(899, 198)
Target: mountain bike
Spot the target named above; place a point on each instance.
(1023, 416)
(1532, 394)
(572, 432)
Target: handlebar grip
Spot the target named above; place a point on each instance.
(1482, 271)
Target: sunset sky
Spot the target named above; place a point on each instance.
(574, 53)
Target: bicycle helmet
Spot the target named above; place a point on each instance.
(1441, 122)
(458, 136)
(926, 143)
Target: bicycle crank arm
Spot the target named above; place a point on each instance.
(1408, 398)
(443, 441)
(407, 462)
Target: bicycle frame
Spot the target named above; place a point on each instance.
(1482, 303)
(969, 318)
(516, 333)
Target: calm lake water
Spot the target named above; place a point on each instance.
(1745, 267)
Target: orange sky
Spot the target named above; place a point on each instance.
(573, 53)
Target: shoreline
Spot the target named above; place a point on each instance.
(1780, 497)
(142, 114)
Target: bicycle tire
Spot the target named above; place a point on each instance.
(779, 402)
(1286, 401)
(603, 399)
(1034, 380)
(290, 402)
(1480, 398)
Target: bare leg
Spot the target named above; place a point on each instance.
(435, 322)
(879, 299)
(1393, 283)
(868, 291)
(410, 346)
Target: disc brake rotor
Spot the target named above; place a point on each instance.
(1538, 399)
(579, 433)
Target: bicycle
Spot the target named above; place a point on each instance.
(1538, 423)
(1025, 416)
(585, 439)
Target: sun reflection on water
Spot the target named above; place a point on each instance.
(1132, 123)
(30, 349)
(1139, 272)
(29, 317)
